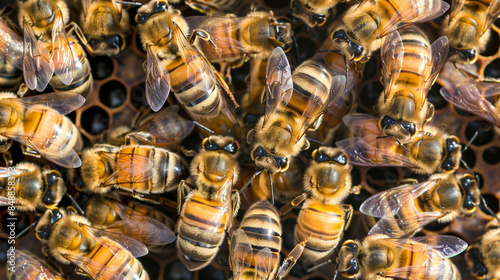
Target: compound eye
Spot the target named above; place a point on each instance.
(283, 163)
(209, 146)
(259, 152)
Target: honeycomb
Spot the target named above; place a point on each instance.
(118, 94)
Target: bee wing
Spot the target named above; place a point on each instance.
(37, 65)
(491, 15)
(279, 84)
(134, 246)
(317, 104)
(62, 55)
(468, 97)
(403, 227)
(391, 200)
(263, 263)
(135, 166)
(377, 153)
(47, 147)
(446, 246)
(61, 102)
(411, 12)
(26, 267)
(439, 50)
(138, 225)
(456, 7)
(10, 171)
(240, 251)
(11, 44)
(362, 125)
(391, 53)
(86, 6)
(157, 81)
(164, 126)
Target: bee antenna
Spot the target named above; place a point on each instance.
(249, 181)
(24, 231)
(73, 201)
(129, 3)
(231, 128)
(488, 209)
(316, 141)
(204, 127)
(471, 140)
(468, 168)
(272, 187)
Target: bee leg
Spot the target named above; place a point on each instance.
(236, 202)
(291, 259)
(202, 34)
(7, 157)
(5, 146)
(81, 36)
(292, 204)
(29, 151)
(23, 89)
(202, 8)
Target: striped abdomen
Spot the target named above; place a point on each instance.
(10, 76)
(323, 224)
(109, 260)
(430, 266)
(262, 230)
(164, 174)
(54, 132)
(201, 230)
(82, 81)
(193, 86)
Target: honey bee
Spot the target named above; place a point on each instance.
(291, 109)
(323, 219)
(429, 151)
(38, 123)
(382, 257)
(33, 188)
(313, 12)
(11, 54)
(467, 28)
(104, 26)
(111, 215)
(471, 97)
(164, 129)
(100, 254)
(236, 39)
(44, 29)
(140, 169)
(407, 208)
(256, 245)
(208, 210)
(27, 267)
(410, 67)
(174, 64)
(357, 36)
(482, 259)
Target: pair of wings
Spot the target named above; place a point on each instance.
(158, 77)
(279, 91)
(492, 13)
(435, 248)
(471, 97)
(107, 240)
(60, 103)
(27, 267)
(164, 128)
(39, 65)
(367, 149)
(392, 54)
(410, 12)
(11, 44)
(127, 165)
(140, 226)
(241, 251)
(387, 205)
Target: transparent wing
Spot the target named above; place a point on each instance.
(263, 264)
(37, 65)
(142, 227)
(26, 267)
(414, 11)
(137, 167)
(11, 44)
(363, 126)
(491, 15)
(279, 84)
(391, 53)
(393, 199)
(10, 171)
(446, 246)
(62, 55)
(47, 147)
(157, 81)
(403, 227)
(134, 246)
(439, 50)
(468, 97)
(240, 251)
(456, 7)
(378, 153)
(61, 102)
